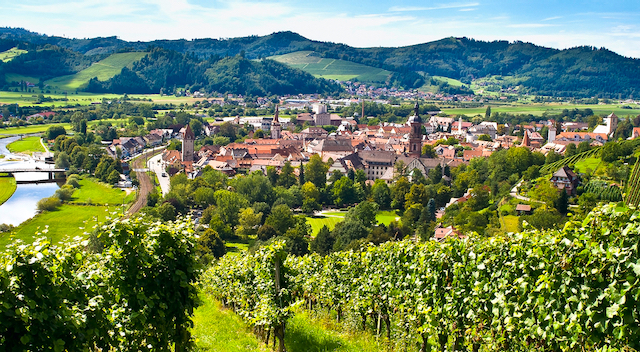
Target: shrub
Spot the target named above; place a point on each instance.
(49, 204)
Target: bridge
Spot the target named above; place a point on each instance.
(51, 173)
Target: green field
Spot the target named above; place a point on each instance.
(330, 219)
(66, 222)
(82, 98)
(95, 192)
(26, 145)
(7, 187)
(539, 109)
(584, 165)
(8, 55)
(310, 62)
(103, 70)
(31, 129)
(511, 223)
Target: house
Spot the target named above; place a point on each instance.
(565, 179)
(443, 233)
(578, 137)
(523, 209)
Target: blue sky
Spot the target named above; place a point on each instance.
(612, 24)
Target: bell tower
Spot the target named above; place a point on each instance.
(415, 136)
(276, 129)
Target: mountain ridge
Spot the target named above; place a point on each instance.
(581, 71)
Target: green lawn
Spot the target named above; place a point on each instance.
(7, 187)
(310, 62)
(32, 128)
(236, 248)
(26, 145)
(386, 217)
(68, 221)
(103, 70)
(8, 55)
(590, 163)
(330, 219)
(100, 193)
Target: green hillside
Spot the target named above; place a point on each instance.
(8, 55)
(103, 70)
(312, 63)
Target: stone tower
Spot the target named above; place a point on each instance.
(415, 136)
(276, 129)
(187, 144)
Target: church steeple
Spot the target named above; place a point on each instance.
(276, 129)
(415, 136)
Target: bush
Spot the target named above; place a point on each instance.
(49, 204)
(65, 193)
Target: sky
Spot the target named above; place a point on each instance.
(613, 24)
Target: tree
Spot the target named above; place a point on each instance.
(364, 212)
(301, 169)
(583, 146)
(398, 192)
(316, 171)
(570, 150)
(54, 131)
(487, 113)
(114, 177)
(167, 212)
(196, 127)
(296, 237)
(562, 202)
(479, 198)
(248, 222)
(431, 209)
(381, 194)
(229, 205)
(272, 175)
(344, 192)
(323, 242)
(266, 232)
(211, 243)
(62, 161)
(281, 218)
(429, 151)
(287, 178)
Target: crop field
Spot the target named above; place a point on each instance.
(332, 68)
(8, 55)
(103, 70)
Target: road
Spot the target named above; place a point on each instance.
(155, 165)
(146, 185)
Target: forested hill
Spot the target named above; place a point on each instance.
(581, 71)
(165, 70)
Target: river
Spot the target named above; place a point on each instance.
(23, 203)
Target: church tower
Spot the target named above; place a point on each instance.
(276, 129)
(415, 136)
(187, 144)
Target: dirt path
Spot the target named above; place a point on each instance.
(146, 186)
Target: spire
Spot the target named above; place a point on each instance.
(525, 139)
(275, 117)
(416, 109)
(416, 114)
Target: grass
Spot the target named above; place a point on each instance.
(67, 222)
(7, 187)
(32, 128)
(8, 55)
(330, 219)
(26, 145)
(511, 223)
(218, 329)
(236, 248)
(332, 68)
(539, 109)
(103, 70)
(588, 164)
(100, 193)
(79, 98)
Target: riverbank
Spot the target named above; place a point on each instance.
(27, 145)
(90, 204)
(8, 186)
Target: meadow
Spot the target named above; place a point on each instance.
(103, 70)
(541, 108)
(332, 68)
(26, 145)
(92, 191)
(8, 55)
(330, 219)
(7, 187)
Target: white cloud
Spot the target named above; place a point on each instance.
(531, 25)
(438, 7)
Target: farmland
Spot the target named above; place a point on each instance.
(540, 109)
(310, 62)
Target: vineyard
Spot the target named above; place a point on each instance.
(603, 191)
(633, 186)
(569, 161)
(131, 288)
(574, 289)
